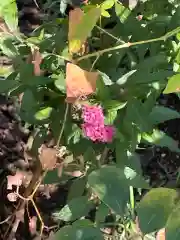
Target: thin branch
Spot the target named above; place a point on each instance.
(63, 125)
(109, 34)
(104, 156)
(6, 220)
(129, 44)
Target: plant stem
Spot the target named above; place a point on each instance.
(129, 44)
(63, 125)
(125, 45)
(131, 191)
(109, 34)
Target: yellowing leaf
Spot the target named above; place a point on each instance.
(79, 82)
(75, 17)
(80, 27)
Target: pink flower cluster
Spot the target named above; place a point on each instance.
(94, 127)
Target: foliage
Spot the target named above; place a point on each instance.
(118, 57)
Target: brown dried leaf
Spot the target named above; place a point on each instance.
(48, 158)
(15, 180)
(36, 59)
(12, 197)
(79, 83)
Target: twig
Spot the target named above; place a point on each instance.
(63, 125)
(129, 44)
(104, 155)
(97, 57)
(6, 220)
(109, 34)
(22, 203)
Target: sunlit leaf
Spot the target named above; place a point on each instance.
(74, 209)
(155, 208)
(160, 139)
(43, 114)
(173, 84)
(80, 27)
(173, 224)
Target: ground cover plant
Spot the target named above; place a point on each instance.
(86, 86)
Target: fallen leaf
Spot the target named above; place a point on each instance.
(79, 83)
(33, 225)
(15, 180)
(12, 197)
(161, 234)
(48, 158)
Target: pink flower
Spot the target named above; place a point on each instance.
(93, 126)
(95, 133)
(99, 133)
(109, 132)
(93, 115)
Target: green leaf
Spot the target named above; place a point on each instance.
(173, 225)
(137, 114)
(106, 79)
(154, 209)
(10, 14)
(60, 82)
(84, 28)
(77, 188)
(76, 208)
(111, 185)
(51, 177)
(173, 84)
(107, 4)
(80, 230)
(102, 90)
(160, 139)
(105, 13)
(113, 105)
(161, 114)
(8, 48)
(7, 85)
(43, 113)
(122, 12)
(101, 213)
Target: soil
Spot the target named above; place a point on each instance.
(160, 165)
